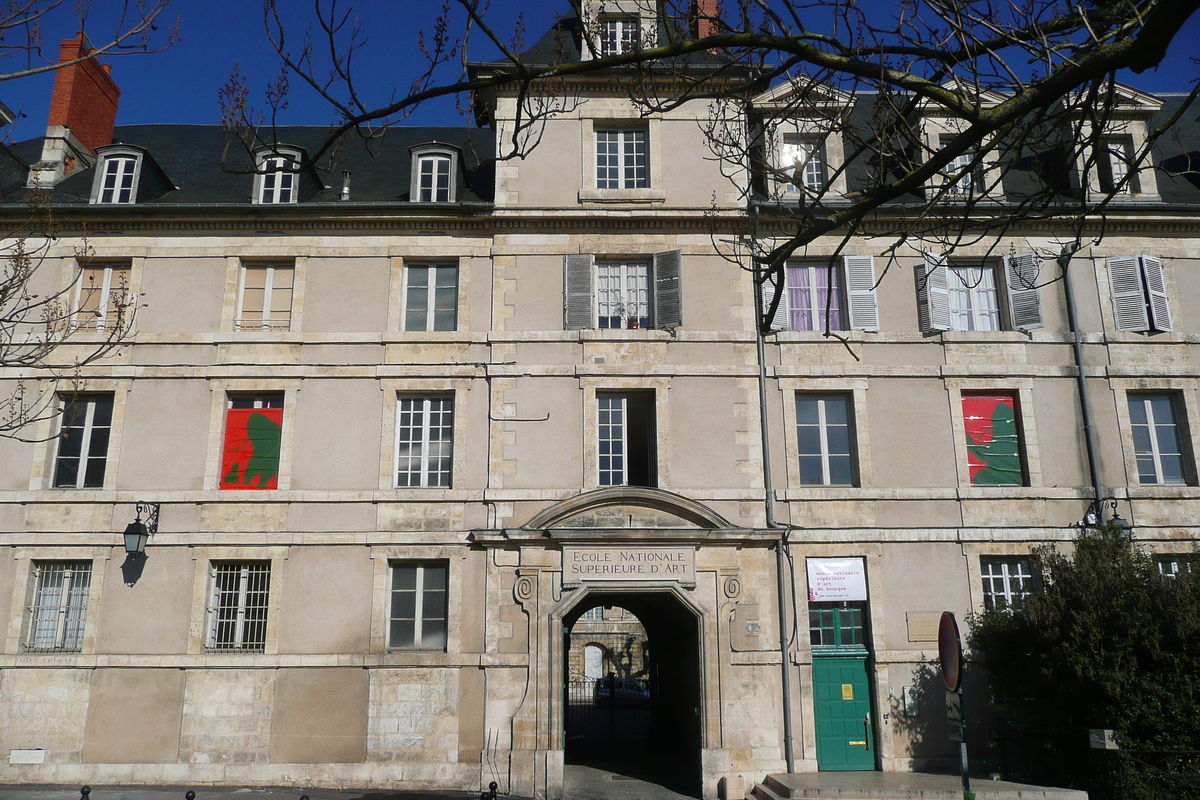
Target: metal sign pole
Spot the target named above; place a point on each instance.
(951, 661)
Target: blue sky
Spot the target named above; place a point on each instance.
(181, 84)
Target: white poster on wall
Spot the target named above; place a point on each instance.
(837, 579)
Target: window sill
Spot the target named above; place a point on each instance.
(622, 196)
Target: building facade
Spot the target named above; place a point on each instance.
(407, 418)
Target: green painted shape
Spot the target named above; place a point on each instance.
(1002, 455)
(838, 721)
(266, 436)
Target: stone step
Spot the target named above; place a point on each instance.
(761, 792)
(900, 786)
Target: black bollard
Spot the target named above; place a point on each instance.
(84, 792)
(190, 795)
(490, 794)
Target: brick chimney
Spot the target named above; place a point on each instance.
(705, 18)
(83, 110)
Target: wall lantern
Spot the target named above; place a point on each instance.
(138, 532)
(1094, 517)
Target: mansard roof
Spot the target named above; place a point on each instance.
(208, 167)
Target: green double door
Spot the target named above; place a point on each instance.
(841, 690)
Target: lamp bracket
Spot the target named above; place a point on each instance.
(151, 512)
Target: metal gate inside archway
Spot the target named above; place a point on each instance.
(632, 688)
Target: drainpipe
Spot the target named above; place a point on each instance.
(1064, 265)
(781, 564)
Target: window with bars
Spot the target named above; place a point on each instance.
(802, 162)
(1158, 436)
(102, 296)
(623, 295)
(825, 433)
(1007, 581)
(417, 620)
(84, 432)
(434, 179)
(430, 297)
(621, 158)
(837, 624)
(276, 180)
(58, 609)
(265, 299)
(619, 35)
(424, 441)
(237, 612)
(118, 179)
(626, 445)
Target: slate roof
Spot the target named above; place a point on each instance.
(207, 168)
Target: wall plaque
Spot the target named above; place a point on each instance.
(598, 564)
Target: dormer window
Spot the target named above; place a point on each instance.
(962, 175)
(619, 36)
(802, 160)
(277, 178)
(117, 176)
(1113, 164)
(434, 174)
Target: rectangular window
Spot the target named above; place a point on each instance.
(424, 441)
(623, 296)
(84, 431)
(1171, 566)
(1114, 162)
(430, 297)
(59, 608)
(802, 161)
(974, 299)
(814, 291)
(278, 180)
(117, 184)
(418, 614)
(433, 184)
(266, 297)
(594, 614)
(621, 160)
(962, 176)
(253, 435)
(619, 35)
(102, 297)
(237, 613)
(825, 432)
(1158, 438)
(1007, 580)
(994, 448)
(836, 624)
(626, 444)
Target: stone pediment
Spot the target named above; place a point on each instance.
(631, 507)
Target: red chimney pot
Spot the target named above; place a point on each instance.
(85, 95)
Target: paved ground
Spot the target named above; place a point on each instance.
(98, 792)
(589, 783)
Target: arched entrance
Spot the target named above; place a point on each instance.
(642, 718)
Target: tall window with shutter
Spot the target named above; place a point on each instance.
(1139, 294)
(622, 293)
(971, 297)
(818, 293)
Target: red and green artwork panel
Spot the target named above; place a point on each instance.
(993, 439)
(251, 456)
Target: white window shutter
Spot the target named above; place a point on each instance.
(769, 289)
(933, 294)
(860, 292)
(1024, 298)
(1128, 294)
(668, 297)
(1156, 288)
(577, 292)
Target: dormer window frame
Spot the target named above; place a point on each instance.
(270, 175)
(107, 158)
(619, 34)
(426, 159)
(1127, 123)
(793, 114)
(597, 14)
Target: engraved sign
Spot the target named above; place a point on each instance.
(27, 756)
(592, 564)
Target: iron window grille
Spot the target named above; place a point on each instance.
(59, 608)
(237, 612)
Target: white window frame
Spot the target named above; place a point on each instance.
(972, 289)
(634, 290)
(119, 273)
(434, 269)
(269, 291)
(1171, 564)
(420, 618)
(277, 179)
(426, 476)
(246, 571)
(89, 429)
(1114, 164)
(619, 35)
(1155, 453)
(69, 610)
(428, 166)
(970, 175)
(804, 154)
(823, 427)
(124, 170)
(1012, 576)
(626, 141)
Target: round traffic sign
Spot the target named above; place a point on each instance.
(950, 651)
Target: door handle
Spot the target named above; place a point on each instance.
(867, 730)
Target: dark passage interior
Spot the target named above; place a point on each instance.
(632, 688)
